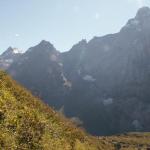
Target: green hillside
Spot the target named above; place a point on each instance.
(28, 124)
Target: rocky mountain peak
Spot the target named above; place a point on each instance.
(143, 12)
(11, 52)
(140, 22)
(80, 45)
(9, 49)
(44, 47)
(83, 41)
(8, 57)
(45, 44)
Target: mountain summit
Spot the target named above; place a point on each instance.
(140, 23)
(8, 57)
(44, 47)
(143, 12)
(45, 44)
(10, 52)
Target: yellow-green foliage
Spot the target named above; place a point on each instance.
(26, 123)
(131, 141)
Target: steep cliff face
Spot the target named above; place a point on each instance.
(111, 81)
(40, 70)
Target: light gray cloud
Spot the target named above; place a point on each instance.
(17, 35)
(97, 16)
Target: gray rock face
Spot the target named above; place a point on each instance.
(8, 57)
(104, 82)
(40, 70)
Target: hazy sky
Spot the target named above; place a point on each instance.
(24, 23)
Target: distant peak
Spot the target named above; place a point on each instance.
(44, 42)
(80, 45)
(140, 22)
(11, 50)
(43, 46)
(83, 41)
(143, 12)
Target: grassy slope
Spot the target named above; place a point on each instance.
(130, 141)
(26, 123)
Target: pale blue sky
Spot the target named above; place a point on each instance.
(24, 23)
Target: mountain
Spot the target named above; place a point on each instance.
(8, 57)
(40, 70)
(104, 83)
(111, 83)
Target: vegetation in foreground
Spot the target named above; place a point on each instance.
(27, 124)
(130, 141)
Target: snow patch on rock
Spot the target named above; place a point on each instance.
(66, 82)
(16, 51)
(89, 78)
(137, 125)
(9, 60)
(53, 57)
(60, 64)
(108, 101)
